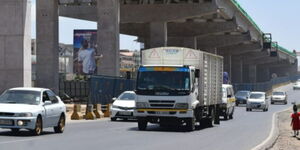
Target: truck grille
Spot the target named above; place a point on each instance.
(162, 103)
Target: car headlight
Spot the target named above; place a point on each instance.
(182, 106)
(141, 104)
(23, 115)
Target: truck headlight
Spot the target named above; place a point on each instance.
(141, 104)
(23, 115)
(182, 106)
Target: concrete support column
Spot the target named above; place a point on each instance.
(15, 44)
(237, 71)
(47, 44)
(263, 74)
(108, 38)
(228, 65)
(190, 42)
(158, 34)
(252, 73)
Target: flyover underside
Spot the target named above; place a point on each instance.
(216, 26)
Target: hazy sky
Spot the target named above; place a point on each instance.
(279, 17)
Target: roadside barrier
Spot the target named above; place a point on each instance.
(76, 110)
(106, 110)
(90, 113)
(98, 111)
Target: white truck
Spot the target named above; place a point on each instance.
(178, 86)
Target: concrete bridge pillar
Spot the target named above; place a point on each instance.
(228, 65)
(190, 42)
(108, 37)
(47, 44)
(237, 71)
(15, 44)
(263, 74)
(252, 73)
(158, 34)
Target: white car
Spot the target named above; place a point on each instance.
(123, 106)
(32, 109)
(279, 97)
(257, 100)
(296, 85)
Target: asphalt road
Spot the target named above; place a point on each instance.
(244, 132)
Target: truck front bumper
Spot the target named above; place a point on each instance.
(172, 113)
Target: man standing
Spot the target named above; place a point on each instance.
(86, 59)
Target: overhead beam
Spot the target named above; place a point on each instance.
(260, 60)
(181, 29)
(143, 13)
(215, 41)
(240, 49)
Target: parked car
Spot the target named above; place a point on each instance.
(279, 97)
(123, 106)
(296, 85)
(33, 109)
(228, 102)
(241, 97)
(257, 100)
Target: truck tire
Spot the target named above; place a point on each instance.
(142, 124)
(190, 124)
(231, 114)
(225, 116)
(217, 115)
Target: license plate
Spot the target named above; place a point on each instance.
(5, 122)
(127, 113)
(162, 112)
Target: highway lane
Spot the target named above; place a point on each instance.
(245, 131)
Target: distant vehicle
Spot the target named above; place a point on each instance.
(32, 109)
(228, 102)
(257, 100)
(241, 97)
(279, 97)
(123, 106)
(296, 85)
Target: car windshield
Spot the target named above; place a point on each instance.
(256, 96)
(278, 93)
(127, 96)
(242, 93)
(20, 97)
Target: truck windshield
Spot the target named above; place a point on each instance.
(20, 97)
(164, 81)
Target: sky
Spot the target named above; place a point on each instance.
(279, 17)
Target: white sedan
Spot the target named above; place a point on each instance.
(257, 100)
(296, 85)
(279, 97)
(32, 109)
(123, 106)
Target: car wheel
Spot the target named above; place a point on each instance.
(272, 102)
(38, 127)
(250, 109)
(247, 109)
(15, 131)
(113, 119)
(142, 124)
(125, 119)
(61, 125)
(285, 102)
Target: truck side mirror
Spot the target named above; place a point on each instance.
(197, 73)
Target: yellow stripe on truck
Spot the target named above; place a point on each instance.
(162, 110)
(230, 100)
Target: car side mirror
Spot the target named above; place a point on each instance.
(47, 103)
(113, 100)
(197, 73)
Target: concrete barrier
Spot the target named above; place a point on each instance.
(90, 112)
(107, 111)
(98, 111)
(76, 111)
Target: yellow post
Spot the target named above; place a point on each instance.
(89, 113)
(107, 112)
(97, 111)
(76, 109)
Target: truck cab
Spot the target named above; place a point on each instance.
(228, 102)
(166, 94)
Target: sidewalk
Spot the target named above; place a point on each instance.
(285, 140)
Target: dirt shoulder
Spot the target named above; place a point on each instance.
(285, 139)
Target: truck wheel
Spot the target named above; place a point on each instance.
(190, 124)
(38, 127)
(142, 124)
(225, 116)
(60, 125)
(231, 114)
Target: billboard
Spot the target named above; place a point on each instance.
(85, 51)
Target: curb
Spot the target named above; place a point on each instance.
(273, 136)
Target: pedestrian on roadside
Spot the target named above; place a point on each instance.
(295, 123)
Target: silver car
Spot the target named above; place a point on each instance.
(33, 109)
(278, 96)
(123, 106)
